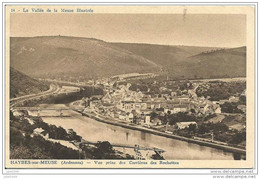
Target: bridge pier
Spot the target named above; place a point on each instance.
(38, 113)
(61, 113)
(138, 154)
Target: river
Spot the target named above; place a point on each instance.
(93, 131)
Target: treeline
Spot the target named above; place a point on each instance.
(64, 98)
(153, 87)
(25, 145)
(70, 97)
(102, 150)
(222, 133)
(203, 129)
(219, 90)
(219, 130)
(172, 119)
(230, 108)
(55, 132)
(36, 147)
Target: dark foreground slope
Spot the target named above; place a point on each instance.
(21, 84)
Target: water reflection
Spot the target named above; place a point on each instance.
(237, 156)
(126, 134)
(92, 130)
(143, 135)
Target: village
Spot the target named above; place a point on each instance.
(174, 111)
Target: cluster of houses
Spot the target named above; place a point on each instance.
(136, 107)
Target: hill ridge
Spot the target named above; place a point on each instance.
(89, 58)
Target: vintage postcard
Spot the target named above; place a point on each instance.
(129, 86)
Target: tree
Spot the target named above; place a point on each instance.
(153, 115)
(192, 127)
(180, 117)
(103, 150)
(16, 137)
(242, 99)
(230, 108)
(20, 152)
(202, 129)
(238, 137)
(218, 127)
(193, 111)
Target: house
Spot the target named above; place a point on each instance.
(122, 116)
(129, 117)
(243, 93)
(233, 99)
(184, 99)
(38, 131)
(156, 122)
(218, 110)
(96, 97)
(163, 88)
(70, 88)
(200, 108)
(17, 113)
(116, 115)
(242, 108)
(173, 93)
(143, 106)
(206, 108)
(167, 110)
(215, 102)
(91, 105)
(156, 103)
(161, 113)
(70, 131)
(175, 108)
(30, 120)
(139, 95)
(183, 125)
(126, 106)
(144, 112)
(180, 108)
(223, 101)
(111, 114)
(107, 98)
(147, 120)
(137, 120)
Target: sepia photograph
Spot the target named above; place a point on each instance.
(138, 87)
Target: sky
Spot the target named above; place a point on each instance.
(222, 30)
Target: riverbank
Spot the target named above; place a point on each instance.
(151, 131)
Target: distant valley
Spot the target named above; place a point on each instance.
(184, 62)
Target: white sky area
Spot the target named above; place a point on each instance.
(224, 30)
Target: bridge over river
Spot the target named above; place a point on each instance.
(60, 110)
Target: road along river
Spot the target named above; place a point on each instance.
(93, 131)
